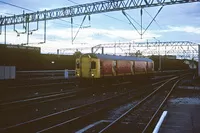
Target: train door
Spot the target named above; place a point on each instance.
(101, 69)
(77, 68)
(85, 66)
(114, 68)
(132, 67)
(147, 67)
(95, 68)
(152, 67)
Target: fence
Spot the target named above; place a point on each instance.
(46, 74)
(7, 72)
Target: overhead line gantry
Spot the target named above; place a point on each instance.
(87, 9)
(136, 45)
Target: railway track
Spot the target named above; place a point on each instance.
(40, 85)
(63, 114)
(39, 99)
(27, 82)
(52, 96)
(43, 105)
(76, 114)
(31, 90)
(63, 127)
(140, 117)
(8, 94)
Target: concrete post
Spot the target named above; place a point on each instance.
(66, 74)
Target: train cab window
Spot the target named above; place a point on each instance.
(77, 65)
(93, 65)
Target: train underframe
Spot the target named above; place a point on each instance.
(107, 81)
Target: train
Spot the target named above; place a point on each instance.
(98, 66)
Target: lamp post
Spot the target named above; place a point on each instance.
(159, 68)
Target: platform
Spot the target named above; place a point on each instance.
(183, 112)
(184, 118)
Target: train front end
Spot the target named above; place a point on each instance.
(87, 67)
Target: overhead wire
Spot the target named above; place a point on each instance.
(115, 18)
(59, 19)
(133, 20)
(73, 2)
(125, 14)
(129, 17)
(153, 19)
(31, 11)
(6, 13)
(74, 23)
(16, 6)
(106, 16)
(28, 10)
(103, 14)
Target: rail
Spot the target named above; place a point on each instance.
(74, 115)
(115, 122)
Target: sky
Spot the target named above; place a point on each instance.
(179, 22)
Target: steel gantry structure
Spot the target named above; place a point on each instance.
(83, 9)
(87, 9)
(182, 49)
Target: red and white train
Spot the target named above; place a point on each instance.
(102, 65)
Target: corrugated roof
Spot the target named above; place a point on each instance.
(115, 57)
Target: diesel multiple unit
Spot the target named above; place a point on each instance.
(102, 65)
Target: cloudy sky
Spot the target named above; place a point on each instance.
(174, 23)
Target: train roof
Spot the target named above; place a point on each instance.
(116, 57)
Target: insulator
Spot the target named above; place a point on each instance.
(141, 12)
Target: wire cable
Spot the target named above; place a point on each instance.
(153, 19)
(102, 14)
(30, 11)
(16, 6)
(6, 13)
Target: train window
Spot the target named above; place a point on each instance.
(93, 65)
(114, 65)
(77, 65)
(101, 64)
